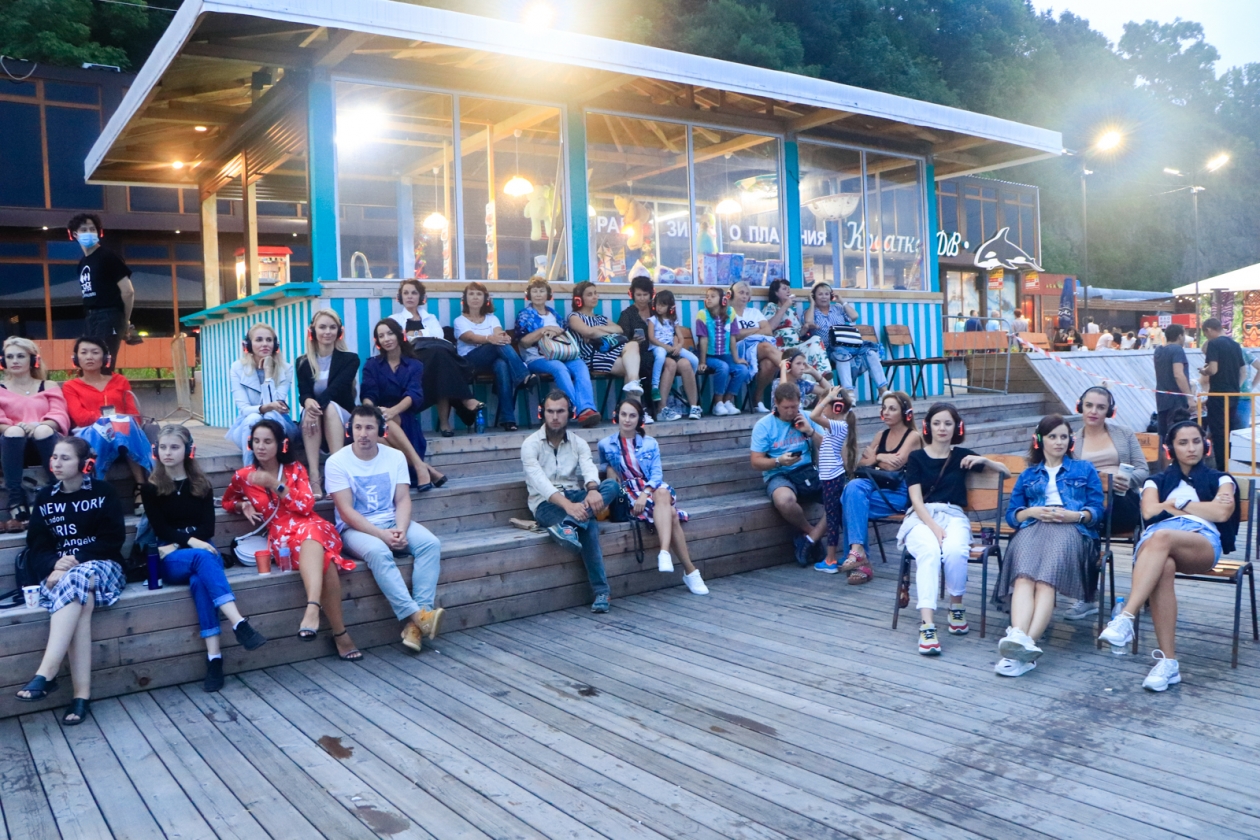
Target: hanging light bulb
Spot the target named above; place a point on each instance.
(435, 221)
(728, 207)
(516, 185)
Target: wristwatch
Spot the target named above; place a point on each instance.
(280, 489)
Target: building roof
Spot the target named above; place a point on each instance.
(1245, 279)
(223, 64)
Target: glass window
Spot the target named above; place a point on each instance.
(67, 300)
(1027, 229)
(22, 299)
(19, 249)
(832, 229)
(513, 184)
(894, 222)
(640, 198)
(192, 203)
(988, 207)
(974, 233)
(279, 208)
(191, 280)
(82, 94)
(188, 253)
(22, 163)
(153, 200)
(948, 203)
(737, 186)
(64, 250)
(146, 252)
(71, 133)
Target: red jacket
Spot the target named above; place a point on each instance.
(84, 402)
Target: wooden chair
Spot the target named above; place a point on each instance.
(1149, 441)
(899, 335)
(984, 493)
(1039, 340)
(1232, 572)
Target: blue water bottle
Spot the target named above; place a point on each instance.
(481, 421)
(155, 582)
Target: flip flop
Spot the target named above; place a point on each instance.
(352, 655)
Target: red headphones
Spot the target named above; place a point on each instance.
(577, 302)
(284, 447)
(907, 408)
(1039, 443)
(1172, 433)
(192, 451)
(248, 346)
(74, 360)
(960, 431)
(88, 466)
(35, 362)
(341, 330)
(1111, 400)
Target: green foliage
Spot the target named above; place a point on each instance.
(71, 32)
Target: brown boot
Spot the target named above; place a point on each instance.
(429, 622)
(411, 637)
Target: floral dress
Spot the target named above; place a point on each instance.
(295, 518)
(788, 335)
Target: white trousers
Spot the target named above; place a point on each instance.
(930, 554)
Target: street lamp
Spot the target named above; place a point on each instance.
(1215, 163)
(1108, 141)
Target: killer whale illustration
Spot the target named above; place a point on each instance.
(1000, 252)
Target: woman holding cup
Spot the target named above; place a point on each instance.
(179, 503)
(1113, 450)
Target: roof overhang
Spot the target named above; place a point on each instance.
(219, 62)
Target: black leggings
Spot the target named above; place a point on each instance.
(13, 460)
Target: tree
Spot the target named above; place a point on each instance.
(71, 32)
(1171, 60)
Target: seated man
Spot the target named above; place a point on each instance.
(372, 491)
(782, 448)
(565, 492)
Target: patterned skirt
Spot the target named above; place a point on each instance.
(101, 578)
(1047, 552)
(634, 488)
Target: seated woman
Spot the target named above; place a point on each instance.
(633, 459)
(849, 362)
(537, 321)
(1055, 508)
(32, 417)
(327, 377)
(391, 382)
(1191, 514)
(750, 333)
(1106, 444)
(103, 412)
(712, 329)
(261, 381)
(792, 331)
(603, 344)
(447, 376)
(481, 340)
(864, 499)
(179, 503)
(936, 530)
(75, 542)
(275, 492)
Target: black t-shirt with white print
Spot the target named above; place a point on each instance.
(100, 272)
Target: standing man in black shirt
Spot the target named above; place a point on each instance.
(1171, 374)
(105, 281)
(1224, 371)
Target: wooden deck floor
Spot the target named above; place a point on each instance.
(781, 706)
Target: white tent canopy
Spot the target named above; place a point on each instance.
(1242, 280)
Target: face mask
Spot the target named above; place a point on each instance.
(88, 240)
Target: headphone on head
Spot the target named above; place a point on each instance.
(248, 346)
(1172, 434)
(89, 464)
(907, 408)
(1111, 400)
(960, 431)
(577, 302)
(341, 330)
(1040, 443)
(74, 359)
(35, 362)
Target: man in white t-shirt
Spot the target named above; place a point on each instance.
(371, 489)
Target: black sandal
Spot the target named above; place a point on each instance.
(352, 655)
(79, 708)
(39, 687)
(509, 427)
(306, 634)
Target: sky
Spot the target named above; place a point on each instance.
(1232, 26)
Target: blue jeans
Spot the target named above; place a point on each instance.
(728, 375)
(424, 547)
(658, 364)
(571, 377)
(863, 501)
(548, 514)
(203, 572)
(509, 372)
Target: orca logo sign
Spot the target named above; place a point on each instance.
(1000, 252)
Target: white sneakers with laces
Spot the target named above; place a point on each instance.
(1019, 646)
(664, 563)
(1165, 673)
(761, 408)
(695, 583)
(1012, 668)
(1119, 631)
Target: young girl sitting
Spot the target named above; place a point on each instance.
(712, 329)
(837, 456)
(663, 333)
(795, 369)
(751, 333)
(936, 531)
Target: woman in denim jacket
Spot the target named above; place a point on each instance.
(1055, 508)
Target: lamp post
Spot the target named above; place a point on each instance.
(1211, 166)
(1108, 141)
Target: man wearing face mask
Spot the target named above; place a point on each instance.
(105, 281)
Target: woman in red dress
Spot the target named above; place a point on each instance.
(275, 489)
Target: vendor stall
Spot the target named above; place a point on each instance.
(437, 145)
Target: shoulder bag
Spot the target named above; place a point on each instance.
(844, 335)
(560, 348)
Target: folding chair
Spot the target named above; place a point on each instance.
(899, 335)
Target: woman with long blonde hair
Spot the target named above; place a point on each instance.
(261, 381)
(32, 416)
(327, 377)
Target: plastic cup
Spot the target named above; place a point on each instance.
(121, 424)
(31, 595)
(1125, 470)
(263, 559)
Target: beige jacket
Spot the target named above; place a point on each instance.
(548, 469)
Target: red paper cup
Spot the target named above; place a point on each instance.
(263, 559)
(120, 424)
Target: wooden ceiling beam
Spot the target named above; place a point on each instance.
(341, 45)
(257, 54)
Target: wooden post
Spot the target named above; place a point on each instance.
(210, 251)
(249, 195)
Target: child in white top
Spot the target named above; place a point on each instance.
(837, 452)
(663, 333)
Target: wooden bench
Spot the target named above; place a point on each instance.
(899, 335)
(967, 343)
(1039, 340)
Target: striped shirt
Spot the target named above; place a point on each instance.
(831, 450)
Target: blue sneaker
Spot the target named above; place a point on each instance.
(600, 605)
(826, 568)
(566, 533)
(803, 549)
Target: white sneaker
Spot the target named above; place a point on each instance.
(664, 563)
(1019, 646)
(731, 410)
(1081, 610)
(1012, 668)
(719, 409)
(647, 419)
(695, 583)
(632, 387)
(695, 413)
(1165, 673)
(761, 408)
(1119, 631)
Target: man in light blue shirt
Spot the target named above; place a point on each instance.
(782, 448)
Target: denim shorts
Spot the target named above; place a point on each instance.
(1183, 523)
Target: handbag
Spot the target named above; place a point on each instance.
(610, 342)
(883, 479)
(844, 335)
(246, 546)
(560, 348)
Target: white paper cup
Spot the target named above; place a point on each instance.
(1125, 470)
(31, 594)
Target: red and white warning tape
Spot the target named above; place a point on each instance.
(1032, 348)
